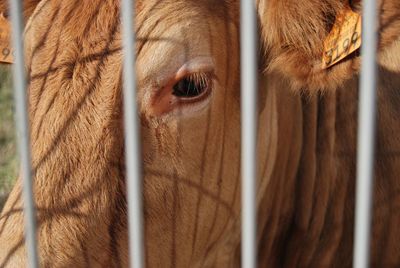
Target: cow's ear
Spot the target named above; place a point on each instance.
(294, 34)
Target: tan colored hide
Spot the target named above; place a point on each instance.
(306, 138)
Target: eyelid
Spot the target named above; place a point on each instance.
(196, 65)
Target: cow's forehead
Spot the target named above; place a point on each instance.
(181, 31)
(228, 9)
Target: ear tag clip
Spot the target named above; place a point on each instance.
(344, 38)
(6, 50)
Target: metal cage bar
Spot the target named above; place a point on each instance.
(366, 136)
(132, 139)
(23, 131)
(248, 63)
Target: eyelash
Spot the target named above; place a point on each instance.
(193, 85)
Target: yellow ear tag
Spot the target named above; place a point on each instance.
(344, 38)
(6, 50)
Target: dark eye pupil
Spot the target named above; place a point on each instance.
(188, 88)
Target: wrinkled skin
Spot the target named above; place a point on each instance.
(191, 150)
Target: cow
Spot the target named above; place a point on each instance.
(188, 94)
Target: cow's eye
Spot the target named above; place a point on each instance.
(183, 94)
(192, 85)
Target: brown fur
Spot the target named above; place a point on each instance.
(306, 143)
(308, 217)
(73, 51)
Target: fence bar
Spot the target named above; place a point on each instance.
(366, 136)
(132, 139)
(23, 131)
(248, 38)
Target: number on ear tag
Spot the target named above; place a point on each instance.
(6, 50)
(344, 38)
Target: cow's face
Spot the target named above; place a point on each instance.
(188, 92)
(188, 95)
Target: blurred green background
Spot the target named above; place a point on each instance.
(8, 156)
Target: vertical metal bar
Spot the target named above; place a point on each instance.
(366, 136)
(248, 39)
(132, 138)
(20, 96)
